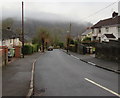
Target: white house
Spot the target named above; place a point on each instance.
(0, 42)
(10, 39)
(108, 29)
(87, 33)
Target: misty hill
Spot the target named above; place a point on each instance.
(56, 28)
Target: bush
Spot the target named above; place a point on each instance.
(87, 39)
(71, 41)
(28, 49)
(61, 44)
(35, 47)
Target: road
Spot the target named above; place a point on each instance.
(59, 74)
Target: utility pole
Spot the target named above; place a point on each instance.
(22, 29)
(70, 27)
(68, 37)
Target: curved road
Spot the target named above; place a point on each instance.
(59, 74)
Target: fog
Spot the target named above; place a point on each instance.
(59, 11)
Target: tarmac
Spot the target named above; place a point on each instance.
(101, 63)
(16, 76)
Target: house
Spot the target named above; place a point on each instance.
(11, 45)
(10, 39)
(86, 34)
(0, 42)
(0, 37)
(106, 30)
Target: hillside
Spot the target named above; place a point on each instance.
(56, 28)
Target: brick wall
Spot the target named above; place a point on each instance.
(17, 51)
(3, 55)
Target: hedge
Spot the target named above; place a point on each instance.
(35, 47)
(29, 49)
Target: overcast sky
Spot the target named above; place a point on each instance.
(74, 10)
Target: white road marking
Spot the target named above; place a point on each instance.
(31, 80)
(75, 57)
(102, 87)
(91, 63)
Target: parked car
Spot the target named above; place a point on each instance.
(50, 48)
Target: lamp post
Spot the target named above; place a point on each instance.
(68, 41)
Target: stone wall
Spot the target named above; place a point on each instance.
(108, 51)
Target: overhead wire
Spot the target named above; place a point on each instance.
(95, 13)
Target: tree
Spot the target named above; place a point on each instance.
(42, 37)
(68, 41)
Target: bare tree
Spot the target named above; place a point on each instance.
(68, 38)
(43, 37)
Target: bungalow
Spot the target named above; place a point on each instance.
(106, 30)
(10, 39)
(86, 34)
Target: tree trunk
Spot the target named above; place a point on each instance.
(67, 45)
(42, 44)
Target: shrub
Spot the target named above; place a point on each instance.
(35, 47)
(87, 39)
(61, 44)
(28, 49)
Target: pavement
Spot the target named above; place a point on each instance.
(59, 74)
(105, 64)
(16, 76)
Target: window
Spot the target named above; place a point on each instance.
(99, 30)
(119, 29)
(107, 29)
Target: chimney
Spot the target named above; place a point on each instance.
(114, 14)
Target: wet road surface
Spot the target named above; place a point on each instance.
(59, 74)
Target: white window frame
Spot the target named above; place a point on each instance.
(107, 29)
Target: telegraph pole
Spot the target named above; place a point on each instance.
(70, 27)
(68, 37)
(22, 29)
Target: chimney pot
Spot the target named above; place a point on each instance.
(114, 14)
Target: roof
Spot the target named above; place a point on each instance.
(26, 39)
(8, 34)
(86, 32)
(109, 35)
(107, 22)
